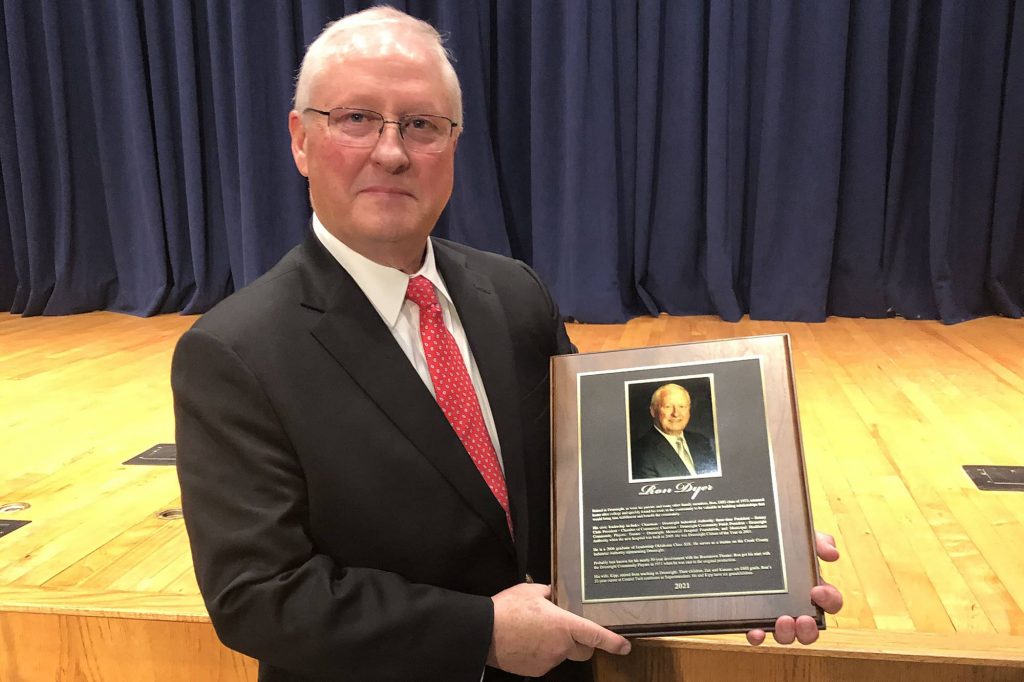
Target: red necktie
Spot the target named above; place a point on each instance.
(453, 389)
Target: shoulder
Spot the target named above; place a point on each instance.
(252, 307)
(268, 308)
(698, 441)
(649, 440)
(522, 295)
(491, 264)
(699, 437)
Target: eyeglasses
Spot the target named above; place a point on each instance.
(362, 127)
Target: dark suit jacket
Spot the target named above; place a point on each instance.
(339, 530)
(654, 457)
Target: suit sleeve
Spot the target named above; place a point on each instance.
(563, 345)
(269, 593)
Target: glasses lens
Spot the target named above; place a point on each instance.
(355, 127)
(425, 133)
(362, 128)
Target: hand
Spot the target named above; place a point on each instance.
(803, 628)
(532, 635)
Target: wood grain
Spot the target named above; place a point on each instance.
(75, 648)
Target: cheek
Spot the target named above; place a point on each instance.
(330, 179)
(439, 178)
(338, 165)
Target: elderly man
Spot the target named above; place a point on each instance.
(667, 449)
(363, 431)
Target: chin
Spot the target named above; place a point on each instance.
(396, 233)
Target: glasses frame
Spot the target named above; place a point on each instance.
(384, 121)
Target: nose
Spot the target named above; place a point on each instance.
(389, 152)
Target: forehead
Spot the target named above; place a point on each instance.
(381, 69)
(674, 395)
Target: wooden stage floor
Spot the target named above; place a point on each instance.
(932, 568)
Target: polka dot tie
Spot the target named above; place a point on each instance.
(454, 389)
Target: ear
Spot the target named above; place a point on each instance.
(298, 132)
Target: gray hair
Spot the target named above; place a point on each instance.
(341, 37)
(662, 390)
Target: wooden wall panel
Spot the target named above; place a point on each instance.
(36, 647)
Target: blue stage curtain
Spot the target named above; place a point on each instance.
(790, 159)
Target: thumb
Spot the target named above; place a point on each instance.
(594, 636)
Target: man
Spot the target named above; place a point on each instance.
(667, 449)
(363, 431)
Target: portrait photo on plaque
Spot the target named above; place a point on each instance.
(671, 428)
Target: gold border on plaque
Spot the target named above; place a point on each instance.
(714, 416)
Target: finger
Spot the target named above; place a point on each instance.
(827, 597)
(825, 545)
(579, 652)
(806, 630)
(525, 591)
(756, 637)
(589, 633)
(785, 630)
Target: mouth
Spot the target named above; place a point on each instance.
(386, 190)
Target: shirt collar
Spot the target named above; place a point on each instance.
(671, 439)
(384, 286)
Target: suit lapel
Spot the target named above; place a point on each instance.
(486, 325)
(356, 337)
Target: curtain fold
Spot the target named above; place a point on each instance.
(786, 159)
(1004, 277)
(856, 287)
(794, 214)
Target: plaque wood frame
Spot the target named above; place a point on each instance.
(684, 614)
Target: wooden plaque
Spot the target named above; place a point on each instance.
(654, 536)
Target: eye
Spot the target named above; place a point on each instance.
(352, 117)
(420, 123)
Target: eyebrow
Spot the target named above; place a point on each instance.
(417, 108)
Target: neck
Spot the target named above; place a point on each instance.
(408, 262)
(405, 257)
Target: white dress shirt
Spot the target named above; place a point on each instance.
(678, 444)
(385, 288)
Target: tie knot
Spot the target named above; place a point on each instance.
(421, 292)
